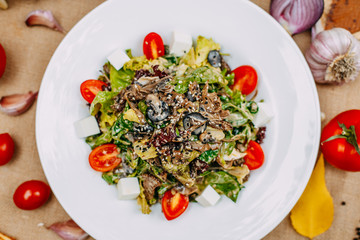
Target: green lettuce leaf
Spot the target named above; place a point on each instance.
(200, 75)
(97, 140)
(180, 171)
(198, 57)
(141, 168)
(237, 97)
(129, 53)
(209, 155)
(102, 102)
(244, 133)
(141, 200)
(236, 119)
(120, 79)
(121, 127)
(203, 47)
(106, 120)
(172, 59)
(111, 177)
(241, 108)
(136, 63)
(165, 186)
(223, 183)
(130, 158)
(189, 58)
(226, 149)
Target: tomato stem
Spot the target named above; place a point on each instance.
(349, 134)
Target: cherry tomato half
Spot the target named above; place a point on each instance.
(153, 46)
(173, 205)
(31, 195)
(254, 157)
(90, 88)
(6, 148)
(2, 60)
(104, 158)
(245, 79)
(340, 152)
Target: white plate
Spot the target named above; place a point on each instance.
(252, 37)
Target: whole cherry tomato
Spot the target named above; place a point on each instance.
(90, 88)
(153, 46)
(104, 158)
(2, 60)
(340, 140)
(254, 157)
(245, 79)
(173, 205)
(6, 148)
(31, 195)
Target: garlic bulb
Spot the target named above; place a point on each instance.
(334, 56)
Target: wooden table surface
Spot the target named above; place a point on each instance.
(28, 53)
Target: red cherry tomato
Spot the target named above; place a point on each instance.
(339, 152)
(104, 158)
(153, 46)
(31, 195)
(2, 60)
(90, 88)
(6, 148)
(245, 79)
(255, 156)
(173, 205)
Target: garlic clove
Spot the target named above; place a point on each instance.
(69, 230)
(296, 16)
(334, 56)
(43, 18)
(17, 104)
(3, 4)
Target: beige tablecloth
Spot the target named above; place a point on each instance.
(29, 51)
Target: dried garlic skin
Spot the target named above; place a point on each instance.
(334, 57)
(313, 214)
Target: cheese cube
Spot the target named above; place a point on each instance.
(208, 197)
(118, 58)
(86, 127)
(128, 188)
(181, 43)
(264, 115)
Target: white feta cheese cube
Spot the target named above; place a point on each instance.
(264, 115)
(128, 188)
(181, 43)
(235, 154)
(86, 127)
(118, 58)
(208, 197)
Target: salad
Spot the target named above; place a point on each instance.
(174, 125)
